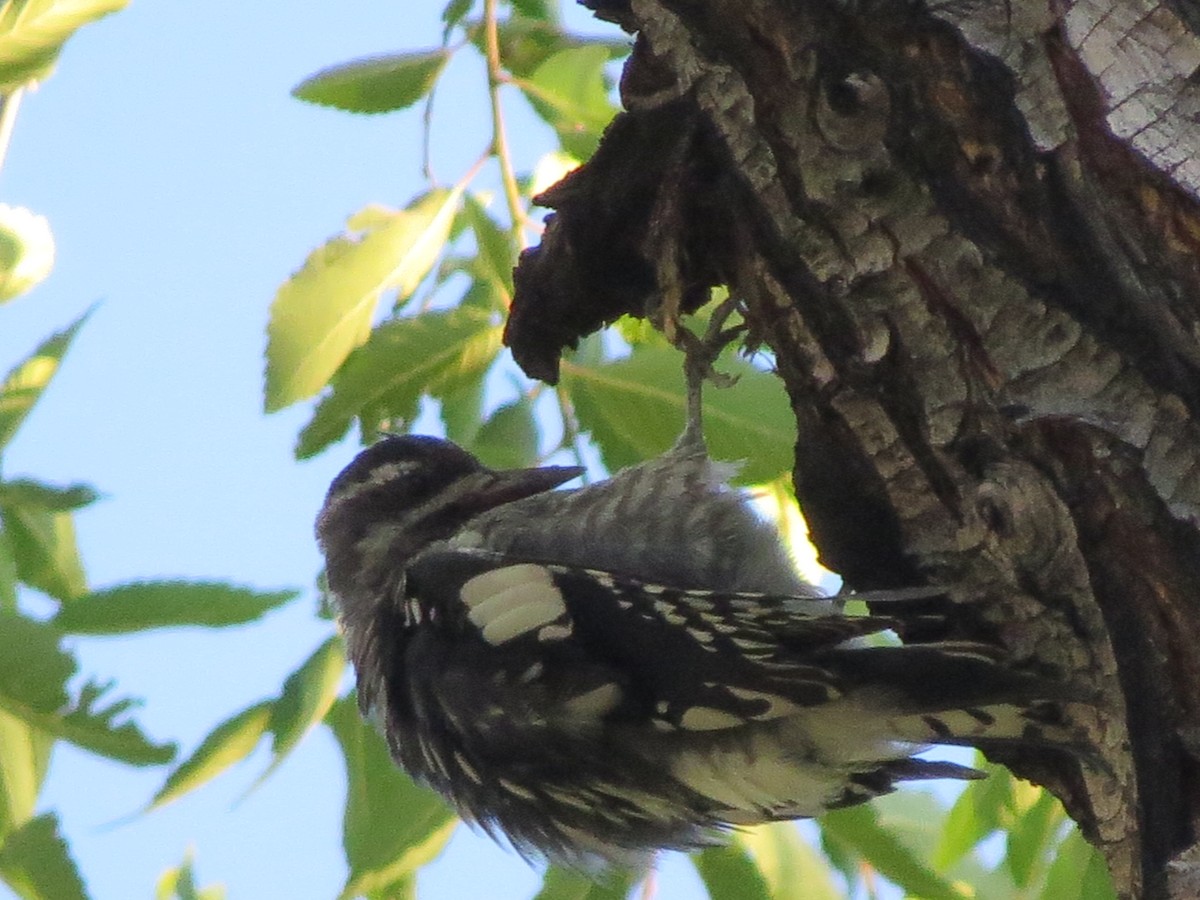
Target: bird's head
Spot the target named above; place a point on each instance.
(406, 492)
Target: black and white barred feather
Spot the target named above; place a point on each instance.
(632, 665)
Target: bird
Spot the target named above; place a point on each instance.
(602, 672)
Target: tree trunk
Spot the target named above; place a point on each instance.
(968, 233)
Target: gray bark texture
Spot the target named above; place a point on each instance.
(969, 233)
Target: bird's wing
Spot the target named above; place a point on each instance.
(683, 659)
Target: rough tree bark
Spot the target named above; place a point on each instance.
(969, 233)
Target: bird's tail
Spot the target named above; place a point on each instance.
(957, 693)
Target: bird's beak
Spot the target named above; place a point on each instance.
(513, 484)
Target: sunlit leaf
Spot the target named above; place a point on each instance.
(729, 873)
(1030, 836)
(975, 815)
(35, 862)
(32, 33)
(777, 502)
(26, 250)
(635, 409)
(376, 84)
(307, 695)
(392, 826)
(789, 865)
(179, 883)
(1078, 872)
(325, 310)
(570, 92)
(24, 756)
(858, 827)
(385, 378)
(142, 605)
(230, 742)
(560, 883)
(25, 383)
(552, 168)
(527, 42)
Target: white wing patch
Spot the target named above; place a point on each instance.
(595, 703)
(708, 718)
(509, 602)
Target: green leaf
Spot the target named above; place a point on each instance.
(230, 742)
(375, 84)
(97, 729)
(32, 33)
(1078, 873)
(307, 695)
(26, 250)
(1029, 838)
(24, 756)
(462, 411)
(27, 492)
(25, 383)
(433, 353)
(539, 10)
(729, 873)
(143, 605)
(790, 866)
(180, 884)
(509, 438)
(35, 862)
(34, 671)
(858, 827)
(570, 92)
(526, 43)
(975, 815)
(560, 883)
(635, 409)
(8, 571)
(45, 550)
(453, 13)
(1096, 883)
(497, 251)
(324, 311)
(392, 826)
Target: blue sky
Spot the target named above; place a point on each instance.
(183, 184)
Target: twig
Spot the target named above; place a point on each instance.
(496, 78)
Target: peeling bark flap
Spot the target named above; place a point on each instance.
(641, 203)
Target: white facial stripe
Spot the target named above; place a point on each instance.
(379, 475)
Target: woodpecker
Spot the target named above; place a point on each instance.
(602, 672)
